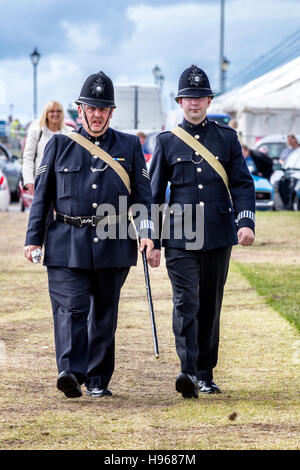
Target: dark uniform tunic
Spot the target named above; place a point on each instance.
(198, 276)
(82, 267)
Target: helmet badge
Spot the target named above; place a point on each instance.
(98, 87)
(196, 78)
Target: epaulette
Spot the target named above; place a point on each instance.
(164, 132)
(223, 125)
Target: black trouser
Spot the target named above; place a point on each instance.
(198, 279)
(85, 310)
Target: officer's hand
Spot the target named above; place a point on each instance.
(30, 188)
(146, 242)
(154, 258)
(29, 249)
(245, 236)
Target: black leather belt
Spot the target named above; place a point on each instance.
(90, 220)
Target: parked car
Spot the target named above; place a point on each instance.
(273, 145)
(25, 199)
(12, 169)
(4, 193)
(286, 182)
(264, 193)
(219, 117)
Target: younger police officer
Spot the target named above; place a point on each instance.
(85, 272)
(198, 275)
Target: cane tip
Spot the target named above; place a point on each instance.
(157, 356)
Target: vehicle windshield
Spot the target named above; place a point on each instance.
(274, 149)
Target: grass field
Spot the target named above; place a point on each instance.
(258, 369)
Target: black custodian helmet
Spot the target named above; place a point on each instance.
(97, 91)
(193, 83)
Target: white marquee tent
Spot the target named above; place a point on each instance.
(267, 105)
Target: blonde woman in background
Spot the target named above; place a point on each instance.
(51, 122)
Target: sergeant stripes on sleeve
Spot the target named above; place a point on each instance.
(41, 169)
(145, 173)
(246, 214)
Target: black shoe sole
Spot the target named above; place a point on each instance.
(69, 386)
(186, 386)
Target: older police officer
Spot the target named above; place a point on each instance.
(86, 271)
(193, 158)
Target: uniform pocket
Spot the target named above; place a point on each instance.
(67, 179)
(182, 169)
(224, 209)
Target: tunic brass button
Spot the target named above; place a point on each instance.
(197, 153)
(179, 159)
(65, 169)
(201, 203)
(95, 240)
(95, 205)
(200, 186)
(199, 170)
(94, 186)
(95, 156)
(197, 137)
(217, 158)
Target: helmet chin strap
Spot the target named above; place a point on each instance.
(87, 122)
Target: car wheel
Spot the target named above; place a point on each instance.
(295, 203)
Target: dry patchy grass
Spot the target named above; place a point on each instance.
(257, 371)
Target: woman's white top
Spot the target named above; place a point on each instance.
(32, 145)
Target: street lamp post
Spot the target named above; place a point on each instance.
(158, 76)
(224, 63)
(161, 80)
(224, 67)
(156, 72)
(35, 58)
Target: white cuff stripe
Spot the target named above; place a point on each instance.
(146, 224)
(246, 214)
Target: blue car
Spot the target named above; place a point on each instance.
(219, 117)
(264, 193)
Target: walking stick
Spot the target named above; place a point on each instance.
(148, 289)
(150, 303)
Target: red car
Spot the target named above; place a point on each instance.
(25, 199)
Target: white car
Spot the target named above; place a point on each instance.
(4, 193)
(273, 145)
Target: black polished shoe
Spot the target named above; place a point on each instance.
(69, 385)
(98, 392)
(208, 386)
(186, 384)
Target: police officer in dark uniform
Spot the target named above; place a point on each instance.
(87, 263)
(198, 272)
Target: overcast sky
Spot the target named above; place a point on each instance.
(126, 39)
